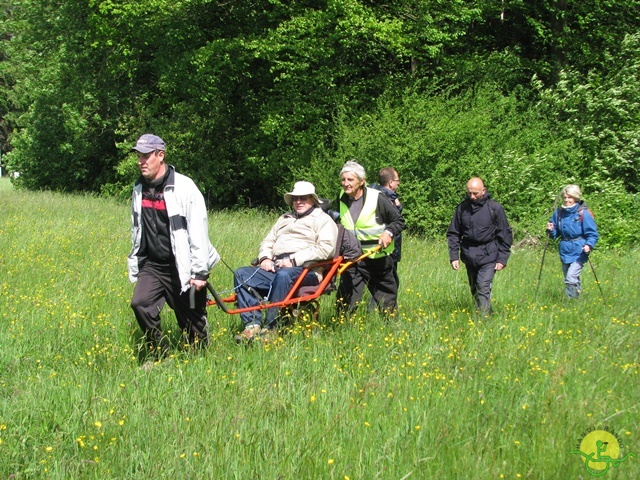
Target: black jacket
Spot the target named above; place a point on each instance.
(393, 196)
(480, 233)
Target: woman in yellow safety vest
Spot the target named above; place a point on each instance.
(375, 221)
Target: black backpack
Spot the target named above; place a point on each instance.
(348, 245)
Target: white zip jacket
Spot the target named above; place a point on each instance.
(188, 226)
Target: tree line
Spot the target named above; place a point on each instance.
(252, 95)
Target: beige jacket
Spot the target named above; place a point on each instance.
(305, 240)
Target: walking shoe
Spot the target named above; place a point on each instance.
(248, 334)
(149, 364)
(572, 291)
(157, 351)
(267, 335)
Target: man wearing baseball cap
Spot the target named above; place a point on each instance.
(171, 251)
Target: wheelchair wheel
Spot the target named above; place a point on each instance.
(309, 310)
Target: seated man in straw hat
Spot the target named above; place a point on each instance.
(300, 237)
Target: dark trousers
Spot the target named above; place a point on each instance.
(273, 285)
(378, 275)
(157, 285)
(480, 279)
(395, 274)
(372, 303)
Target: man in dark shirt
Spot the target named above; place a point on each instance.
(481, 237)
(388, 183)
(171, 251)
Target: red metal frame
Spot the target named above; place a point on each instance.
(331, 268)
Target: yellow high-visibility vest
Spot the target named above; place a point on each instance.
(367, 230)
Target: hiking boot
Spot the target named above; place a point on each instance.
(158, 350)
(267, 335)
(150, 364)
(248, 334)
(572, 291)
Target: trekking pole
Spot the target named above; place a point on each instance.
(597, 281)
(544, 252)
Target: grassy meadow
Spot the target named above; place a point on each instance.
(434, 392)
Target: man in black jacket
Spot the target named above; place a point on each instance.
(481, 237)
(388, 182)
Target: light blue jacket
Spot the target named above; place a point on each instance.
(576, 228)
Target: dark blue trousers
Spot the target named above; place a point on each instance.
(273, 285)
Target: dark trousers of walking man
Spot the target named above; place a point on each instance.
(480, 279)
(160, 284)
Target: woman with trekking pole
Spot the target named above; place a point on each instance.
(574, 225)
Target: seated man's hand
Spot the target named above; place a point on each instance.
(285, 263)
(267, 265)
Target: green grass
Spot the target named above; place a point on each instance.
(432, 393)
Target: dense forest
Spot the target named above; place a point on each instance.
(251, 95)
